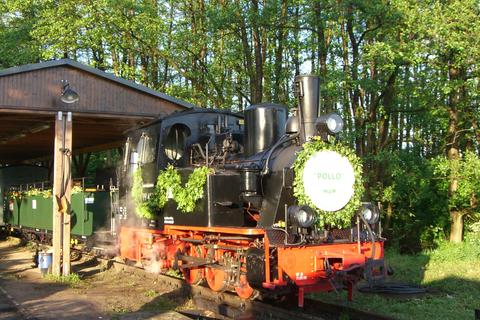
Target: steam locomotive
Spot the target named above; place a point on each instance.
(242, 225)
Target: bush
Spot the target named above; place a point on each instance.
(420, 211)
(472, 234)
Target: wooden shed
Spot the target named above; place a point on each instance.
(38, 122)
(107, 106)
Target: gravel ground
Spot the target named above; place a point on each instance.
(98, 293)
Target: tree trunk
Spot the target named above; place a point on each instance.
(388, 216)
(247, 53)
(346, 87)
(257, 48)
(144, 62)
(323, 43)
(357, 109)
(81, 164)
(476, 131)
(166, 66)
(278, 95)
(453, 154)
(296, 37)
(456, 228)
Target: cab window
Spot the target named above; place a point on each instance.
(175, 141)
(146, 149)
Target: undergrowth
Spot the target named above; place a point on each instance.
(72, 280)
(451, 273)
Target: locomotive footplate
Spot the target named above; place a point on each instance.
(328, 267)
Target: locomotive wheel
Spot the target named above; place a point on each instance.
(194, 275)
(244, 290)
(217, 279)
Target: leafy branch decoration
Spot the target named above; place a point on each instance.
(143, 208)
(37, 192)
(169, 186)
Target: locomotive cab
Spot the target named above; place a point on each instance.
(185, 141)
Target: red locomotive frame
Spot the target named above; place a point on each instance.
(210, 252)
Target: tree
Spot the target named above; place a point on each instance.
(16, 21)
(404, 74)
(452, 32)
(463, 202)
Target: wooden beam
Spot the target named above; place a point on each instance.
(57, 237)
(101, 147)
(104, 114)
(62, 182)
(67, 227)
(76, 152)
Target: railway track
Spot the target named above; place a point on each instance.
(226, 305)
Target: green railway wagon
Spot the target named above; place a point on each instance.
(14, 176)
(90, 211)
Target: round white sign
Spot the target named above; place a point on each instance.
(328, 180)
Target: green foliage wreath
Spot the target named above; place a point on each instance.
(169, 185)
(343, 217)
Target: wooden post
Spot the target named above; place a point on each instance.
(57, 237)
(68, 193)
(62, 192)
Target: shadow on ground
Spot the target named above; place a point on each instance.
(37, 298)
(162, 306)
(451, 281)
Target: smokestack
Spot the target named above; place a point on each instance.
(307, 90)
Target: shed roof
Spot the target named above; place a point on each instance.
(108, 106)
(74, 64)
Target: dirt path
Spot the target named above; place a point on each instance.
(102, 293)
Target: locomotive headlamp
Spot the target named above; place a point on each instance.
(304, 216)
(370, 213)
(331, 123)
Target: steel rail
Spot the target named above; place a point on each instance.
(228, 305)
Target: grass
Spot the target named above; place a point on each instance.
(72, 280)
(451, 273)
(150, 293)
(120, 309)
(174, 273)
(159, 304)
